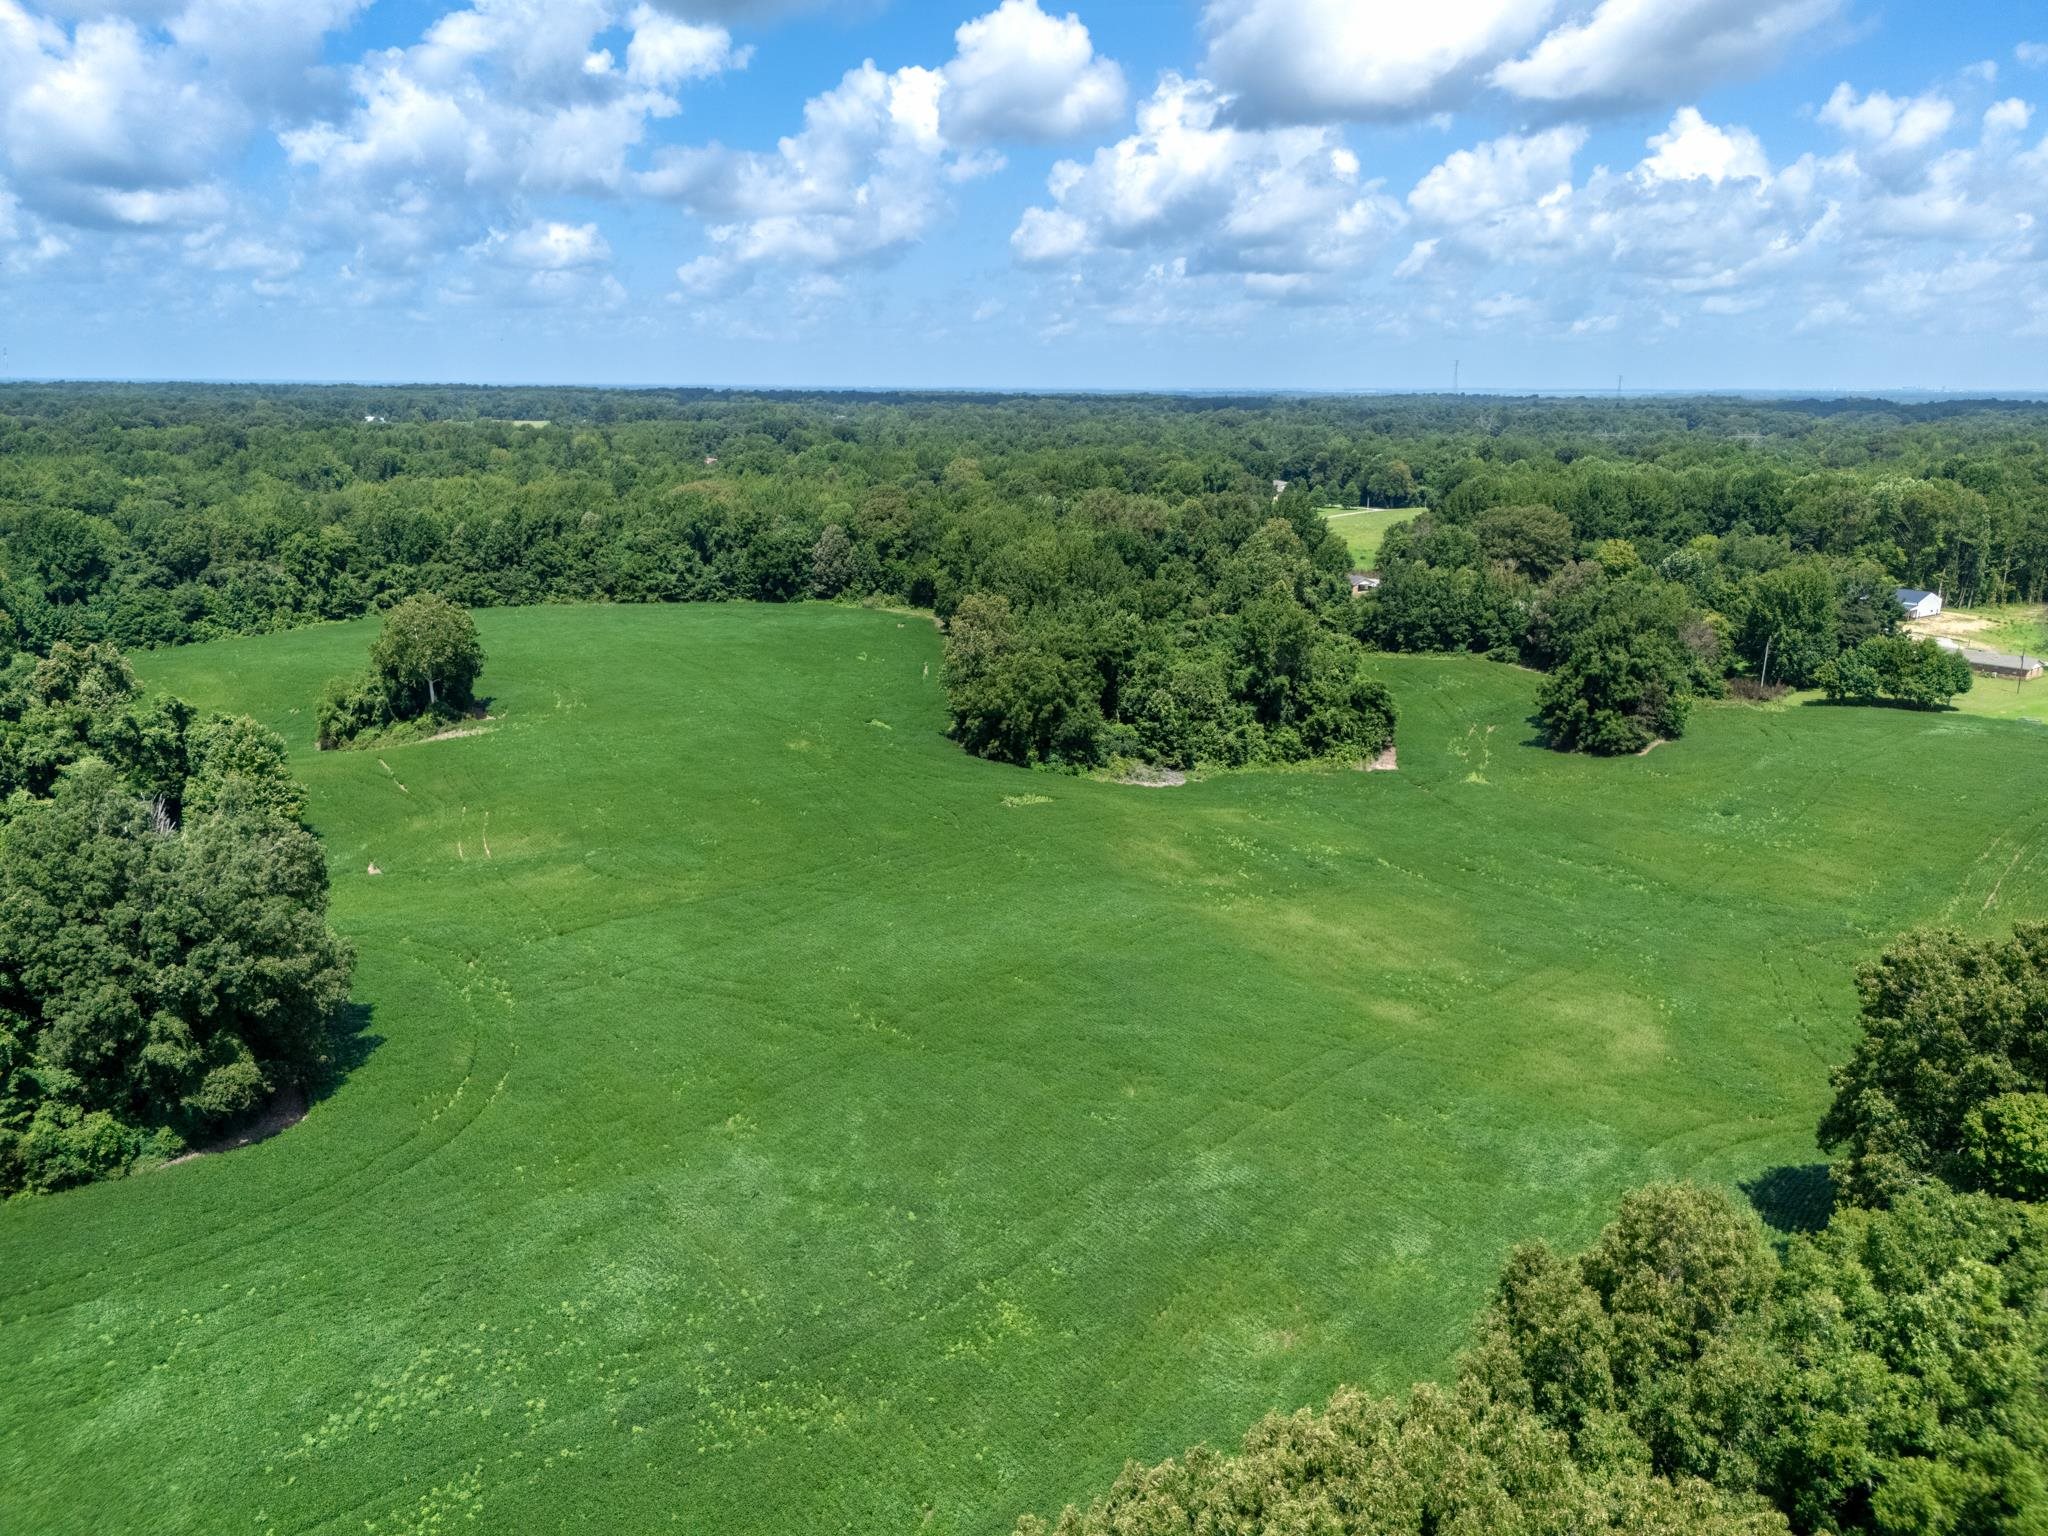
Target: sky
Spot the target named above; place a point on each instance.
(1158, 194)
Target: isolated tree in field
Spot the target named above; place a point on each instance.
(424, 665)
(428, 656)
(1946, 1081)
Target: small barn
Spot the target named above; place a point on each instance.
(1918, 604)
(1363, 582)
(2000, 664)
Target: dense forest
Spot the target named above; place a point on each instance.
(1138, 577)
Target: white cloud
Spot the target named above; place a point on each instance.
(498, 103)
(859, 182)
(665, 52)
(1332, 60)
(1047, 236)
(1021, 74)
(1694, 149)
(102, 127)
(1500, 175)
(2033, 55)
(218, 248)
(1319, 61)
(1645, 52)
(2009, 116)
(546, 245)
(867, 175)
(1277, 209)
(1886, 124)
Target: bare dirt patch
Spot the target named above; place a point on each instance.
(1949, 626)
(1150, 776)
(282, 1113)
(1387, 762)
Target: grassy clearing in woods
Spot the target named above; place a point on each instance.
(781, 1130)
(1363, 528)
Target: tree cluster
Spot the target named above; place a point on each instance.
(1894, 669)
(1153, 667)
(1886, 1374)
(423, 669)
(165, 961)
(1630, 644)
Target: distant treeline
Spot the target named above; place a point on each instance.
(1143, 590)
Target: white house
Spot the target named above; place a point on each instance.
(1918, 604)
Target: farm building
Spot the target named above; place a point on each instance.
(2000, 664)
(1918, 604)
(1363, 582)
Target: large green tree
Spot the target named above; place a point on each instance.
(1953, 1029)
(1637, 656)
(157, 980)
(427, 656)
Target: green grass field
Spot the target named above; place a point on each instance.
(773, 1120)
(1362, 529)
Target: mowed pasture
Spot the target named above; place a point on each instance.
(1363, 528)
(770, 1119)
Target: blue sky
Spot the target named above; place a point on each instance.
(1322, 194)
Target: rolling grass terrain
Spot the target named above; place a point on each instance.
(770, 1119)
(1363, 528)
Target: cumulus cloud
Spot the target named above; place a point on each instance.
(499, 103)
(101, 126)
(2009, 116)
(1022, 74)
(1320, 61)
(1501, 174)
(2033, 55)
(1276, 210)
(1889, 125)
(1631, 53)
(1704, 221)
(860, 181)
(868, 173)
(546, 245)
(666, 52)
(1198, 220)
(1693, 149)
(1294, 61)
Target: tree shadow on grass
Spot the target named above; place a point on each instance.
(349, 1045)
(1793, 1198)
